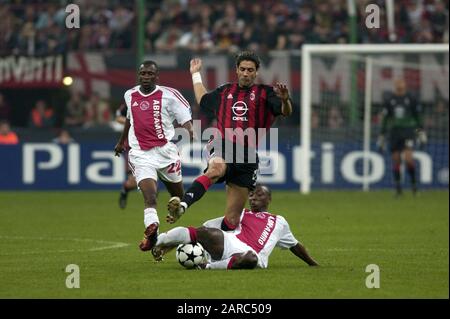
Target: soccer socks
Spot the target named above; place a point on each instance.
(197, 190)
(396, 172)
(177, 235)
(412, 173)
(150, 217)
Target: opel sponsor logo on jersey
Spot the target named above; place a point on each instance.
(144, 105)
(239, 109)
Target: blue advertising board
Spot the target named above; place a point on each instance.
(49, 166)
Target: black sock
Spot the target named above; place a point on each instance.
(396, 172)
(412, 174)
(197, 190)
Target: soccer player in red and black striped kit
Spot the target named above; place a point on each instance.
(240, 105)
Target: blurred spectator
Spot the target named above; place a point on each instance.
(437, 116)
(97, 111)
(315, 119)
(63, 137)
(168, 40)
(196, 40)
(335, 119)
(32, 27)
(41, 116)
(7, 137)
(5, 109)
(75, 109)
(439, 21)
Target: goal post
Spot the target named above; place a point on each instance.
(366, 55)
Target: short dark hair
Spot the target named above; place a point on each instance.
(148, 63)
(248, 56)
(265, 188)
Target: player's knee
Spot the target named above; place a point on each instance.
(206, 234)
(216, 170)
(202, 233)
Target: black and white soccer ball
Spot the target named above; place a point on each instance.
(190, 255)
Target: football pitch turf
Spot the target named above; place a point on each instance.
(407, 238)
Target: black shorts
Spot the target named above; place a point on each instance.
(241, 174)
(238, 173)
(401, 138)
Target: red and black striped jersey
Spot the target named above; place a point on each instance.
(235, 107)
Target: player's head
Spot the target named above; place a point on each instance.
(400, 86)
(148, 73)
(247, 65)
(260, 198)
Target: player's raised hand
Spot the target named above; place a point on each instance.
(196, 65)
(281, 91)
(118, 149)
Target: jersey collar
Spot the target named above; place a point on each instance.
(152, 92)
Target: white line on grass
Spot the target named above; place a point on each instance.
(105, 244)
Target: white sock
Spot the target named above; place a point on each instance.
(150, 217)
(214, 223)
(175, 236)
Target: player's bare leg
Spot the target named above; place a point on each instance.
(411, 168)
(396, 163)
(127, 186)
(178, 205)
(237, 196)
(151, 221)
(212, 240)
(247, 260)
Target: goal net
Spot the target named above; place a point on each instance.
(343, 91)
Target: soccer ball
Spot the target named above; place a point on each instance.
(190, 255)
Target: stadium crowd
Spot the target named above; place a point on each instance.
(38, 27)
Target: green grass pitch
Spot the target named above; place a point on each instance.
(43, 232)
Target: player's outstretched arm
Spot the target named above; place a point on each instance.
(199, 88)
(300, 252)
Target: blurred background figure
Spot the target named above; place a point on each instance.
(335, 119)
(7, 137)
(97, 111)
(5, 109)
(63, 137)
(41, 116)
(75, 110)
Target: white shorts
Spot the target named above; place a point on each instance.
(163, 161)
(232, 245)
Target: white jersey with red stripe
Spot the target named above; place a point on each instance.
(152, 115)
(263, 231)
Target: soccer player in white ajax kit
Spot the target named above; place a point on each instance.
(151, 110)
(247, 247)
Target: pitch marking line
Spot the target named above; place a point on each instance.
(104, 244)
